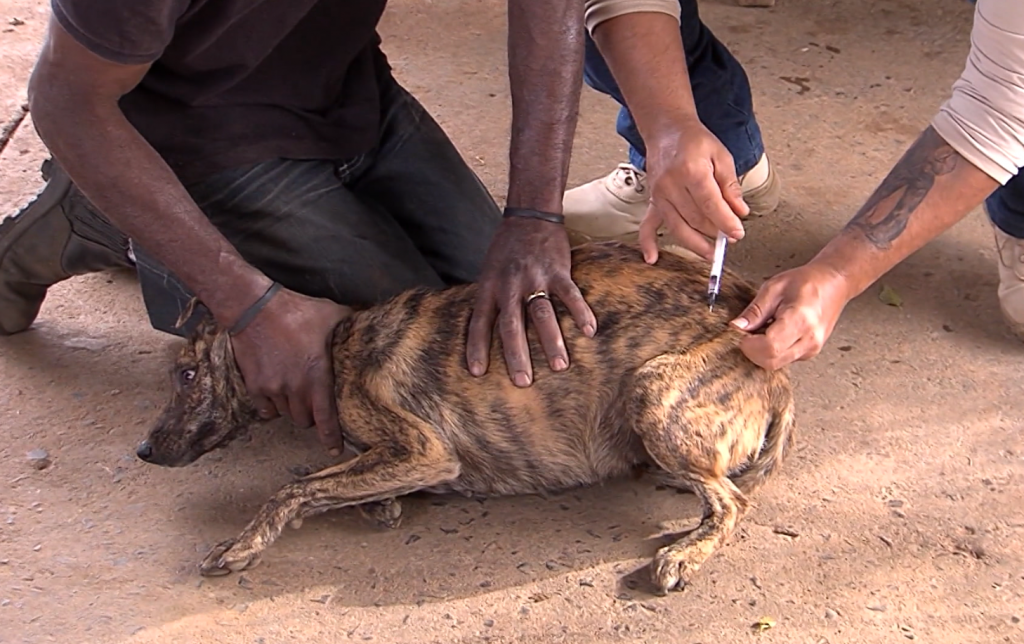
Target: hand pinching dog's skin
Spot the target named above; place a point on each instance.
(663, 385)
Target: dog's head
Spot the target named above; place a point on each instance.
(209, 405)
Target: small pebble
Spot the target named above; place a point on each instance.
(15, 22)
(878, 608)
(39, 459)
(589, 583)
(830, 614)
(488, 623)
(37, 547)
(486, 583)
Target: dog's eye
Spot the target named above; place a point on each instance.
(188, 375)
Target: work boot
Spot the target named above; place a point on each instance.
(612, 207)
(56, 236)
(1011, 279)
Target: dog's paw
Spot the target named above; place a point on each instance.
(386, 514)
(228, 557)
(673, 567)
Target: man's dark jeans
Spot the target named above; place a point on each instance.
(721, 92)
(1006, 206)
(409, 213)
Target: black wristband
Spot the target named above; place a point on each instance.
(250, 313)
(529, 213)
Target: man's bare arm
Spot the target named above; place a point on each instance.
(545, 50)
(694, 188)
(74, 102)
(529, 255)
(283, 353)
(645, 55)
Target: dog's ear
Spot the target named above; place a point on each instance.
(187, 313)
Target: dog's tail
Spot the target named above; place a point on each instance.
(777, 440)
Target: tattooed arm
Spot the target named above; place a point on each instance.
(974, 144)
(931, 188)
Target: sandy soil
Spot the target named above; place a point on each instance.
(898, 518)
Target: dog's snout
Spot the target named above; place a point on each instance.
(144, 451)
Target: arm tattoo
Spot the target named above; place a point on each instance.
(885, 215)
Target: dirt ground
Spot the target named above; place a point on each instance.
(898, 518)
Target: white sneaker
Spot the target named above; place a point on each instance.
(1011, 279)
(612, 207)
(762, 188)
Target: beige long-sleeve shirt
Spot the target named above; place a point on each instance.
(983, 119)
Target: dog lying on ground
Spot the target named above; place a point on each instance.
(662, 385)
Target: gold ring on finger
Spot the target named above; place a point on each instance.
(536, 294)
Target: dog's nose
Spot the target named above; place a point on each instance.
(145, 451)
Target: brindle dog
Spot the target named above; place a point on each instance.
(663, 385)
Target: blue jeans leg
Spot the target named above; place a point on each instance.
(721, 91)
(1006, 206)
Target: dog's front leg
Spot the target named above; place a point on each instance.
(379, 474)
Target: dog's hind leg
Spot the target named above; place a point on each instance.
(694, 416)
(381, 473)
(675, 564)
